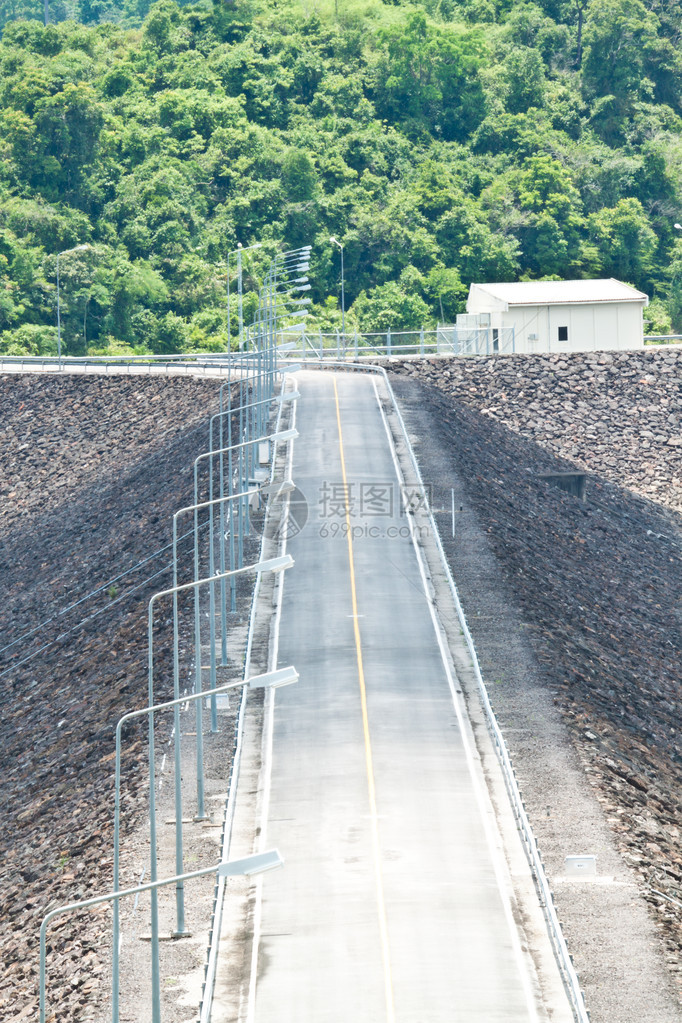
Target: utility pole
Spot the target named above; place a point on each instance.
(47, 13)
(343, 297)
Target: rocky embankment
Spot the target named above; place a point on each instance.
(597, 582)
(618, 414)
(92, 470)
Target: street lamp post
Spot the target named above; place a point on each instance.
(260, 426)
(343, 298)
(271, 680)
(247, 866)
(269, 565)
(242, 519)
(286, 486)
(65, 252)
(238, 252)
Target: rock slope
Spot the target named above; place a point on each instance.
(598, 581)
(618, 414)
(92, 470)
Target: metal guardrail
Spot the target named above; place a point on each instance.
(221, 363)
(306, 345)
(211, 963)
(445, 340)
(255, 372)
(562, 954)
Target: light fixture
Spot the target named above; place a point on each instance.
(275, 564)
(285, 487)
(250, 865)
(274, 679)
(283, 435)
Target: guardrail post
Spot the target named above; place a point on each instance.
(223, 587)
(198, 687)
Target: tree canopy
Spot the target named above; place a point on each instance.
(440, 143)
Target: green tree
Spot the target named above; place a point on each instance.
(69, 124)
(29, 339)
(388, 307)
(550, 236)
(618, 37)
(298, 176)
(524, 79)
(130, 286)
(427, 77)
(625, 242)
(674, 287)
(445, 292)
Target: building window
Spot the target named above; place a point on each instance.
(563, 333)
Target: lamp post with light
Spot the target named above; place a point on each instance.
(343, 299)
(278, 564)
(271, 680)
(238, 253)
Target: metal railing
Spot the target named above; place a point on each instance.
(533, 853)
(211, 964)
(219, 363)
(267, 332)
(445, 340)
(254, 374)
(306, 345)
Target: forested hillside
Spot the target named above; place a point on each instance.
(440, 143)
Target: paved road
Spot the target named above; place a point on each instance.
(389, 907)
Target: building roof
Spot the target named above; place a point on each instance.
(562, 292)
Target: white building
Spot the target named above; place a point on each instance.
(557, 316)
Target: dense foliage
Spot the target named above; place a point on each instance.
(441, 143)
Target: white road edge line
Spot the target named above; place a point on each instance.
(500, 868)
(266, 747)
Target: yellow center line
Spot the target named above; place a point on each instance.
(381, 904)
